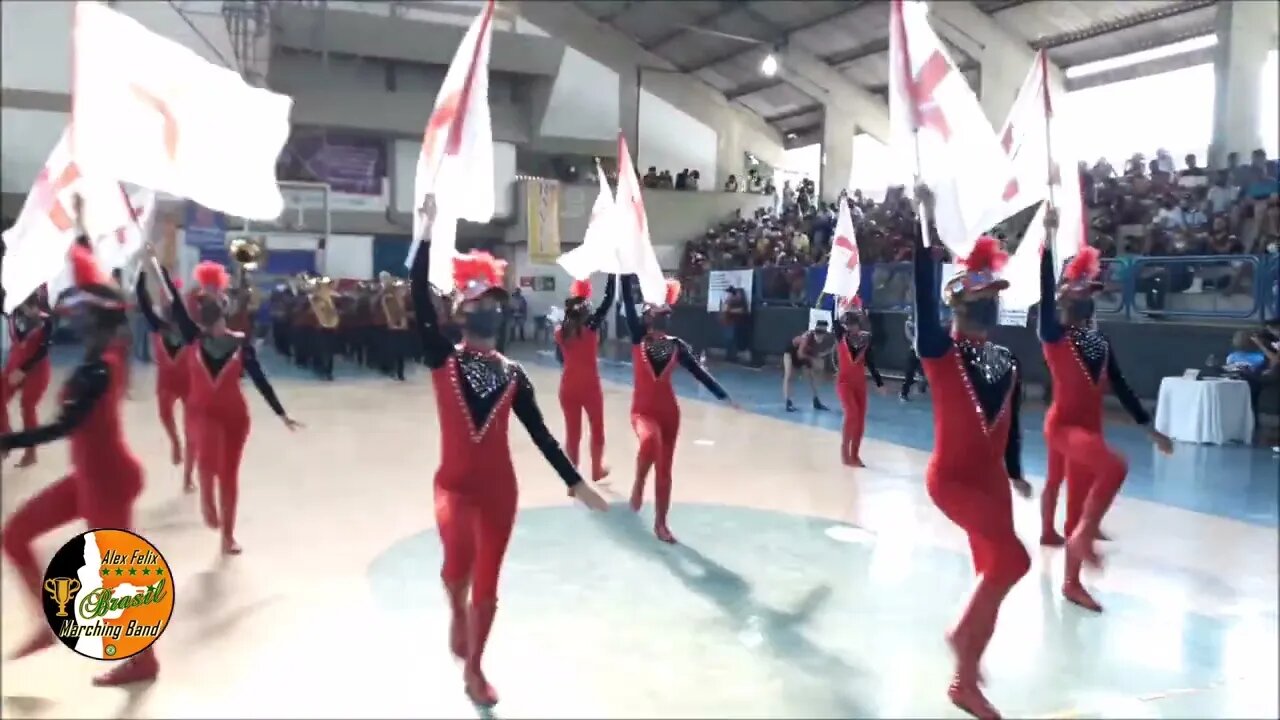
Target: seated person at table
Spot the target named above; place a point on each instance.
(1254, 361)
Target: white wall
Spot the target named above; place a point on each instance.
(405, 163)
(584, 105)
(349, 256)
(26, 139)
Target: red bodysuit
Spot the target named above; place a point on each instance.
(1082, 367)
(580, 390)
(977, 448)
(172, 371)
(30, 338)
(854, 360)
(476, 493)
(655, 412)
(104, 482)
(219, 414)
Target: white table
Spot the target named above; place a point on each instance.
(1213, 410)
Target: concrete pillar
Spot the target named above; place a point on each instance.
(837, 154)
(1247, 31)
(629, 84)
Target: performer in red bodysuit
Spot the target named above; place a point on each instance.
(476, 496)
(105, 477)
(853, 336)
(655, 413)
(977, 395)
(1082, 365)
(172, 370)
(27, 371)
(216, 360)
(577, 345)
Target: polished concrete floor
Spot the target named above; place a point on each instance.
(801, 588)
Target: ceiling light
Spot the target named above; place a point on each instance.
(769, 66)
(791, 136)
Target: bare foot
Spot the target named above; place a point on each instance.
(1051, 538)
(27, 460)
(599, 473)
(664, 534)
(1075, 593)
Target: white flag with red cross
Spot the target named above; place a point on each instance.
(455, 165)
(844, 267)
(635, 247)
(37, 244)
(151, 112)
(937, 121)
(599, 249)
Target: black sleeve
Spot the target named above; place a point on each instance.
(602, 312)
(190, 331)
(869, 358)
(1051, 331)
(435, 346)
(1013, 448)
(42, 350)
(249, 357)
(1122, 390)
(838, 330)
(87, 384)
(629, 309)
(525, 406)
(559, 353)
(145, 307)
(932, 341)
(684, 355)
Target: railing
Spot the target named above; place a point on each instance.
(1238, 287)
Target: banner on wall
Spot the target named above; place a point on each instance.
(206, 230)
(721, 280)
(543, 211)
(353, 165)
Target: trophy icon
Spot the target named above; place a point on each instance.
(61, 589)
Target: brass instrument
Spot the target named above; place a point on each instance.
(250, 253)
(320, 293)
(393, 309)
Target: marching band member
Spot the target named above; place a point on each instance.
(803, 354)
(476, 493)
(27, 371)
(325, 338)
(1082, 365)
(977, 393)
(393, 328)
(853, 335)
(215, 363)
(172, 371)
(105, 478)
(655, 412)
(577, 346)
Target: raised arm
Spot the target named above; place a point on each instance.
(1122, 390)
(42, 348)
(435, 346)
(684, 356)
(629, 309)
(87, 385)
(932, 341)
(602, 312)
(145, 307)
(1051, 330)
(525, 406)
(190, 331)
(249, 357)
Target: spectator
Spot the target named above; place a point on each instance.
(1223, 195)
(519, 313)
(735, 314)
(731, 185)
(1170, 215)
(1192, 170)
(682, 179)
(651, 178)
(692, 181)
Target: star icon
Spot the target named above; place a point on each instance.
(159, 571)
(119, 572)
(106, 572)
(146, 571)
(133, 571)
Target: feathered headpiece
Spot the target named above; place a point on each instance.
(851, 304)
(979, 273)
(580, 290)
(1081, 274)
(477, 273)
(95, 286)
(673, 292)
(212, 276)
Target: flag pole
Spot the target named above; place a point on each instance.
(900, 30)
(1051, 235)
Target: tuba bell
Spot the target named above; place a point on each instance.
(250, 253)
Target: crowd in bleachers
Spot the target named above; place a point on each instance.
(1152, 208)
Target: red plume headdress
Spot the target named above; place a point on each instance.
(673, 292)
(94, 284)
(980, 269)
(477, 273)
(580, 290)
(1081, 274)
(210, 275)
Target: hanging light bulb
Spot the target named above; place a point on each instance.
(769, 66)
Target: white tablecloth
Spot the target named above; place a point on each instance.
(1214, 410)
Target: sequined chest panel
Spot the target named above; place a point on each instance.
(482, 380)
(1090, 348)
(989, 373)
(660, 352)
(857, 342)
